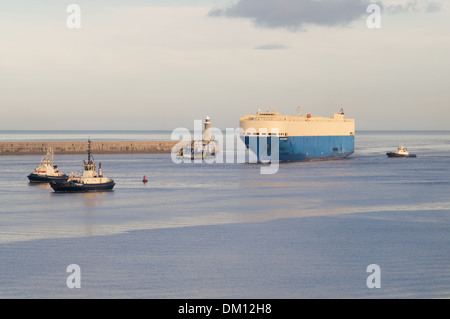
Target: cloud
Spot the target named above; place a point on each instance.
(295, 14)
(271, 47)
(409, 6)
(433, 7)
(414, 6)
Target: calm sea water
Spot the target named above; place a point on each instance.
(226, 231)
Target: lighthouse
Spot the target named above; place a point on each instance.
(207, 131)
(201, 148)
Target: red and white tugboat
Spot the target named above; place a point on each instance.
(47, 172)
(401, 152)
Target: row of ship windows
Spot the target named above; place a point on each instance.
(275, 134)
(269, 134)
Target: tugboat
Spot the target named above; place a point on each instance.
(401, 152)
(88, 181)
(47, 172)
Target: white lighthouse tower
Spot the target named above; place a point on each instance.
(207, 132)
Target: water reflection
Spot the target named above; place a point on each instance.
(88, 199)
(93, 199)
(40, 185)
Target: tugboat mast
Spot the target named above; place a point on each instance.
(89, 150)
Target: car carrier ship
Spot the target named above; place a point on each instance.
(300, 137)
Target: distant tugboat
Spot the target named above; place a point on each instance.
(401, 152)
(47, 172)
(89, 181)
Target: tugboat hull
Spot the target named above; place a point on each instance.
(79, 187)
(400, 155)
(36, 178)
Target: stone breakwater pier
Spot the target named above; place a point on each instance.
(80, 147)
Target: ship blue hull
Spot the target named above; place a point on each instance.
(302, 148)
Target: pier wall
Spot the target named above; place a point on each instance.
(77, 147)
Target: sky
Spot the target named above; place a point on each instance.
(160, 65)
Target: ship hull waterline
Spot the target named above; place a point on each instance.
(302, 148)
(395, 155)
(72, 187)
(37, 178)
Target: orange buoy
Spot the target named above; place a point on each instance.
(145, 180)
